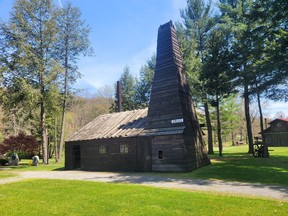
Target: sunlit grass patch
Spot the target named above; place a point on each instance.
(237, 165)
(50, 197)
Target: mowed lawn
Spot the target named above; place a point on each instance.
(62, 197)
(237, 165)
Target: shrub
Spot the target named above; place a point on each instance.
(3, 162)
(22, 144)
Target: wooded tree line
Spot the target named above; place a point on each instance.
(236, 47)
(240, 47)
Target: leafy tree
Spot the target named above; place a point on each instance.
(260, 45)
(270, 39)
(143, 87)
(72, 41)
(234, 16)
(193, 37)
(216, 73)
(29, 36)
(231, 116)
(128, 87)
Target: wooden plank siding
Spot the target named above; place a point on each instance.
(138, 157)
(277, 133)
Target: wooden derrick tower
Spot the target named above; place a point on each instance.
(178, 144)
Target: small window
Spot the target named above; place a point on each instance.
(160, 154)
(124, 149)
(102, 149)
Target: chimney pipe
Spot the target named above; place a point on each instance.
(119, 97)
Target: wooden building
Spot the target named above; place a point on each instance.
(277, 133)
(164, 137)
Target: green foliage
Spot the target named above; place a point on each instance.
(128, 83)
(216, 72)
(230, 115)
(143, 87)
(91, 198)
(72, 42)
(193, 38)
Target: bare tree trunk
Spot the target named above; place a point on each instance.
(44, 134)
(55, 139)
(262, 124)
(62, 132)
(64, 105)
(14, 122)
(209, 129)
(233, 139)
(220, 144)
(248, 119)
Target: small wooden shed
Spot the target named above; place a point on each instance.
(277, 133)
(164, 137)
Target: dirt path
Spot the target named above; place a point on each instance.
(232, 188)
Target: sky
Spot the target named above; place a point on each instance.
(123, 33)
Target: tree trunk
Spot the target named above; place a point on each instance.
(44, 135)
(262, 125)
(62, 132)
(55, 140)
(219, 128)
(209, 129)
(64, 104)
(248, 119)
(14, 122)
(233, 139)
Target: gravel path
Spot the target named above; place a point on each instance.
(232, 188)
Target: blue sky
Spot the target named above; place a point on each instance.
(123, 33)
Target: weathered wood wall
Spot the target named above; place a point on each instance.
(277, 133)
(175, 154)
(137, 158)
(277, 139)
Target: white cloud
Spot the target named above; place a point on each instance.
(272, 108)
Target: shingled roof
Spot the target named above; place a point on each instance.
(121, 124)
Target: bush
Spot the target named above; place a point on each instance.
(3, 162)
(24, 145)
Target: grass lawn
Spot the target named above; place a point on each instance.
(237, 165)
(61, 197)
(6, 174)
(25, 165)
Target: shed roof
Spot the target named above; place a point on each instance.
(279, 119)
(121, 124)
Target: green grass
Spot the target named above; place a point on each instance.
(59, 197)
(237, 165)
(6, 174)
(25, 165)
